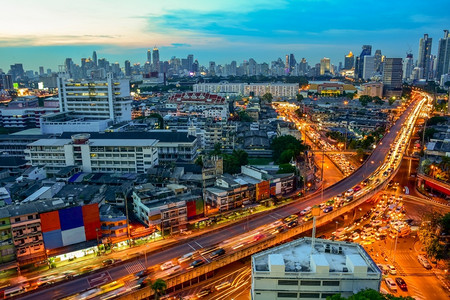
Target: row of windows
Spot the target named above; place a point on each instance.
(309, 282)
(305, 295)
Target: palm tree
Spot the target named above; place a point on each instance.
(158, 287)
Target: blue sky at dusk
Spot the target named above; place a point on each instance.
(45, 32)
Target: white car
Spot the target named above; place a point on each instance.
(392, 270)
(186, 257)
(167, 265)
(390, 283)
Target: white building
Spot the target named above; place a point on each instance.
(94, 154)
(292, 271)
(201, 104)
(58, 123)
(368, 67)
(223, 88)
(96, 100)
(278, 90)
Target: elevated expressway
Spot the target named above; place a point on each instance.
(374, 165)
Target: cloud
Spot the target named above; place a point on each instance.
(178, 45)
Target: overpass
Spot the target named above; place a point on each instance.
(209, 239)
(434, 183)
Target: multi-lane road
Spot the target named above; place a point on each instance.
(213, 238)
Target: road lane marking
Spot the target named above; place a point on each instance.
(192, 247)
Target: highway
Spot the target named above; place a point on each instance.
(213, 238)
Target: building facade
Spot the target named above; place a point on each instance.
(424, 60)
(295, 270)
(443, 56)
(393, 77)
(93, 100)
(278, 90)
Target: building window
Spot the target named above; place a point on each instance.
(310, 282)
(287, 295)
(325, 295)
(310, 295)
(330, 283)
(30, 217)
(17, 219)
(287, 282)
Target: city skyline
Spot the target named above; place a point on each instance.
(213, 31)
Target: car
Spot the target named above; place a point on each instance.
(392, 270)
(186, 257)
(196, 263)
(69, 274)
(307, 217)
(424, 262)
(204, 292)
(167, 265)
(328, 209)
(357, 188)
(390, 283)
(305, 211)
(279, 229)
(292, 224)
(217, 253)
(222, 285)
(50, 279)
(401, 283)
(87, 269)
(107, 262)
(143, 273)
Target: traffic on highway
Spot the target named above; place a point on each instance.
(208, 247)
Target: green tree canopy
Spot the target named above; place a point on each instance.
(365, 99)
(244, 116)
(159, 287)
(286, 168)
(369, 294)
(267, 98)
(288, 143)
(299, 98)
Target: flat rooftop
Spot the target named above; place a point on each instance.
(332, 256)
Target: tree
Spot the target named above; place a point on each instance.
(436, 120)
(350, 96)
(286, 142)
(286, 168)
(377, 100)
(286, 156)
(365, 99)
(267, 98)
(159, 287)
(199, 161)
(369, 294)
(244, 117)
(217, 149)
(160, 119)
(299, 98)
(391, 101)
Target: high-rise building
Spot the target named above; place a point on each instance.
(127, 68)
(286, 65)
(149, 56)
(6, 82)
(392, 77)
(359, 66)
(443, 56)
(292, 63)
(368, 67)
(109, 99)
(155, 59)
(349, 61)
(324, 66)
(41, 70)
(190, 61)
(408, 66)
(303, 67)
(94, 58)
(424, 60)
(16, 71)
(377, 60)
(212, 68)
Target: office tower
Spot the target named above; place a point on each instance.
(116, 69)
(41, 70)
(303, 67)
(349, 61)
(392, 77)
(106, 99)
(195, 66)
(292, 63)
(424, 60)
(443, 56)
(17, 71)
(94, 58)
(324, 66)
(212, 68)
(368, 67)
(155, 57)
(233, 67)
(408, 66)
(359, 65)
(377, 60)
(149, 56)
(286, 65)
(190, 61)
(127, 68)
(6, 82)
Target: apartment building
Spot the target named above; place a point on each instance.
(7, 250)
(223, 88)
(300, 270)
(96, 100)
(278, 90)
(200, 104)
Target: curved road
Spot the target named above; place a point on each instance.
(210, 239)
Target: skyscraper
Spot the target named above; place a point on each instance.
(190, 61)
(359, 67)
(424, 60)
(408, 66)
(155, 59)
(292, 63)
(443, 56)
(324, 66)
(212, 68)
(127, 68)
(303, 67)
(94, 58)
(368, 67)
(392, 77)
(41, 70)
(377, 60)
(349, 61)
(149, 56)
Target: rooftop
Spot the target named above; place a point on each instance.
(328, 256)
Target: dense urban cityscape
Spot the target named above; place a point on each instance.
(190, 178)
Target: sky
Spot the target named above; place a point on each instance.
(45, 32)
